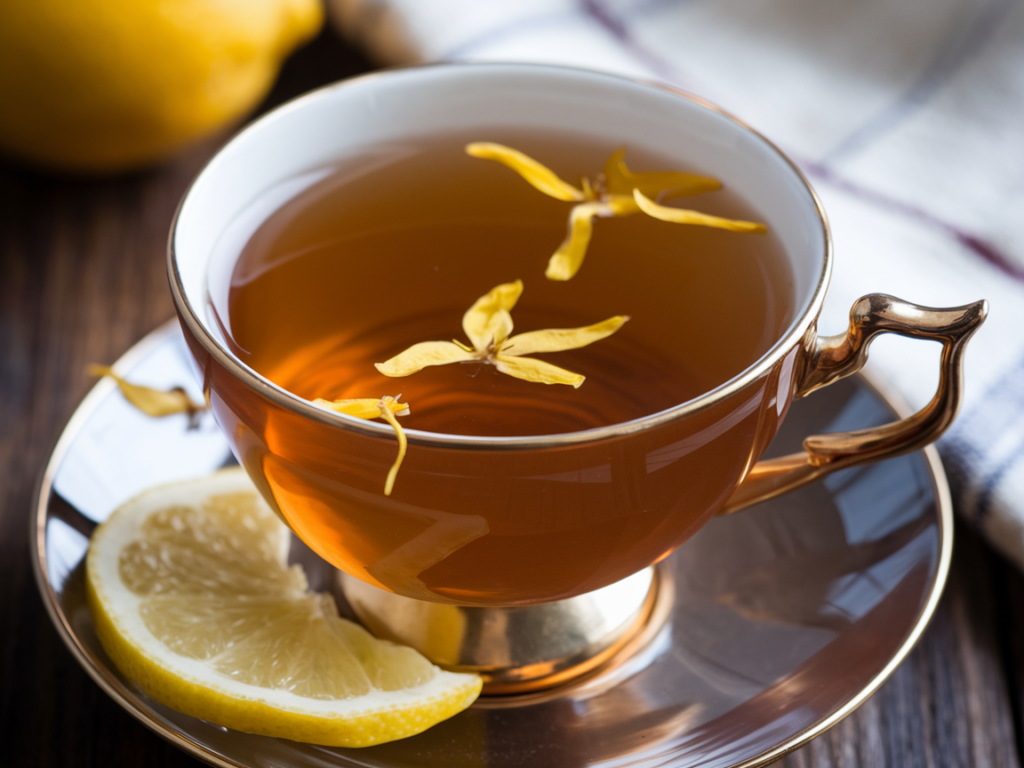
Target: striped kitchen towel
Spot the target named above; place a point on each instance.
(906, 115)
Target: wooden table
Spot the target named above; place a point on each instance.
(82, 278)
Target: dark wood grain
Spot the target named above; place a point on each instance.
(82, 278)
(949, 704)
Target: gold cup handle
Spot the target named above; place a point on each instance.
(833, 357)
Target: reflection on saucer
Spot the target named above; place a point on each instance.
(786, 616)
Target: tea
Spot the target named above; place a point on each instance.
(339, 267)
(350, 265)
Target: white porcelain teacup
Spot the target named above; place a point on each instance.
(323, 472)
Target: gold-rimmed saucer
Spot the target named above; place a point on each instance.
(786, 617)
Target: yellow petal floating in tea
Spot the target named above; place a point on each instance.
(566, 261)
(560, 339)
(539, 176)
(537, 371)
(419, 356)
(490, 319)
(386, 408)
(682, 216)
(153, 402)
(619, 180)
(488, 324)
(615, 192)
(365, 407)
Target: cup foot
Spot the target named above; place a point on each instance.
(520, 649)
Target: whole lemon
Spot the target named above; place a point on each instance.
(107, 85)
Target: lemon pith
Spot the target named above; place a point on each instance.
(253, 650)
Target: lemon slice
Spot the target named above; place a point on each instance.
(193, 600)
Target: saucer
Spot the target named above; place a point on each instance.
(786, 616)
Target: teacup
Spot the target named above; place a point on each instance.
(604, 502)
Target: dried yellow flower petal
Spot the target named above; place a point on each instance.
(427, 353)
(616, 192)
(539, 176)
(681, 216)
(489, 319)
(152, 402)
(566, 261)
(365, 407)
(528, 369)
(488, 324)
(560, 339)
(386, 408)
(619, 180)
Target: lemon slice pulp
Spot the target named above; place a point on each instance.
(193, 600)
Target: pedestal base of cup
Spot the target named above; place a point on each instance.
(522, 648)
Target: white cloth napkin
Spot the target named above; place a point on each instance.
(906, 115)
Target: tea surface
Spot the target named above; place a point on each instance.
(352, 264)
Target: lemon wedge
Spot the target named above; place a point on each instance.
(193, 599)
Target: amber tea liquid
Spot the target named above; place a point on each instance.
(347, 266)
(387, 251)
